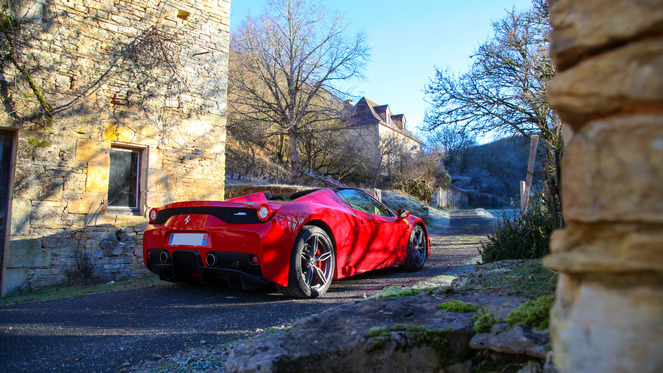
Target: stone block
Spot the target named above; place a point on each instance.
(88, 204)
(20, 219)
(607, 248)
(343, 340)
(97, 176)
(88, 150)
(115, 132)
(627, 76)
(582, 28)
(38, 187)
(45, 214)
(613, 170)
(44, 277)
(608, 328)
(27, 253)
(14, 280)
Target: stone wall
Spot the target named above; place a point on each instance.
(145, 75)
(609, 91)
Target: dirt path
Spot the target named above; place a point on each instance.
(109, 331)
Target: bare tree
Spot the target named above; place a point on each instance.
(505, 91)
(285, 63)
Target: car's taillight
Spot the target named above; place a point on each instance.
(264, 212)
(153, 215)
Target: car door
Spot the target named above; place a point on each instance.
(380, 231)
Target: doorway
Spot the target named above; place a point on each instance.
(6, 171)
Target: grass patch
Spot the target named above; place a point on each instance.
(401, 292)
(457, 306)
(67, 290)
(535, 312)
(527, 278)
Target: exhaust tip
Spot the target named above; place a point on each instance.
(211, 260)
(164, 257)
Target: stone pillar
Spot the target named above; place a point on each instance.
(608, 316)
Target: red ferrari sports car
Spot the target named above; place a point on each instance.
(298, 242)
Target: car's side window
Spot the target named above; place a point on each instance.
(361, 201)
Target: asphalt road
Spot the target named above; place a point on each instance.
(104, 332)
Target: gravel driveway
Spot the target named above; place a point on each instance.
(106, 332)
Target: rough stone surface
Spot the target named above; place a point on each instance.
(609, 297)
(28, 254)
(15, 279)
(582, 28)
(619, 79)
(613, 170)
(607, 329)
(519, 340)
(607, 248)
(150, 76)
(338, 340)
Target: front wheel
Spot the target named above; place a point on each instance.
(312, 264)
(417, 249)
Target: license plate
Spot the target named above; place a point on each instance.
(189, 239)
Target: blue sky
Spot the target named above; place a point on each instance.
(408, 39)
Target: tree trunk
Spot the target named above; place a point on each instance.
(294, 163)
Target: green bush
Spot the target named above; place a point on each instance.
(523, 236)
(419, 188)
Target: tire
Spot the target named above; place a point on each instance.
(312, 264)
(417, 249)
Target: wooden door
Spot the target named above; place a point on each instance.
(6, 170)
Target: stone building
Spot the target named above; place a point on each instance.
(110, 108)
(378, 122)
(382, 134)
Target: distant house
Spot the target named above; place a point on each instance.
(383, 134)
(381, 124)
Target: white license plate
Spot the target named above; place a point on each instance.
(189, 239)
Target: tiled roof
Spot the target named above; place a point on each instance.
(368, 112)
(399, 121)
(364, 113)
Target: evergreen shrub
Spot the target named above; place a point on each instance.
(525, 236)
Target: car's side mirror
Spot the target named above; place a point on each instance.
(402, 213)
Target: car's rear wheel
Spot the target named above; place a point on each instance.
(417, 249)
(312, 264)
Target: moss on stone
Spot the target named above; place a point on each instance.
(384, 331)
(437, 339)
(457, 306)
(39, 144)
(399, 292)
(535, 312)
(380, 331)
(483, 321)
(375, 344)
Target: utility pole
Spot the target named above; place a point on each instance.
(526, 186)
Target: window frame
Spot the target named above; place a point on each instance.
(141, 180)
(348, 202)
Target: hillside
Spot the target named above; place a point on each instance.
(495, 168)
